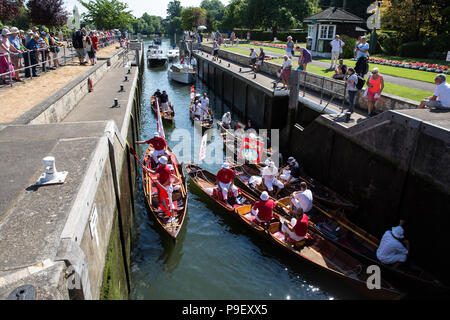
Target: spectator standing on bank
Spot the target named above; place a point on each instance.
(215, 51)
(232, 37)
(375, 85)
(336, 50)
(16, 57)
(54, 49)
(261, 58)
(78, 43)
(289, 47)
(95, 41)
(248, 36)
(253, 57)
(60, 35)
(5, 52)
(33, 48)
(286, 72)
(90, 50)
(352, 81)
(441, 95)
(362, 50)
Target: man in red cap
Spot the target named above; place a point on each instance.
(263, 209)
(158, 143)
(298, 228)
(225, 177)
(166, 178)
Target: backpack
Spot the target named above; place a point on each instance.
(77, 39)
(360, 83)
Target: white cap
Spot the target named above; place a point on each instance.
(5, 32)
(163, 160)
(264, 196)
(156, 134)
(225, 165)
(271, 164)
(398, 232)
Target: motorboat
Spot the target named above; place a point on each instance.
(173, 54)
(156, 58)
(182, 73)
(157, 41)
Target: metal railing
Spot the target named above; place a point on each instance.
(32, 59)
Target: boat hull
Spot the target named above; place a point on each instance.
(154, 62)
(181, 77)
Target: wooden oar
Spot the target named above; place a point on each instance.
(183, 192)
(346, 226)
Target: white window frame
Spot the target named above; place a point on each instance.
(327, 26)
(311, 31)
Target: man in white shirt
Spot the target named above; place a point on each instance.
(193, 63)
(204, 106)
(253, 57)
(226, 120)
(286, 72)
(336, 50)
(302, 199)
(393, 249)
(268, 176)
(441, 96)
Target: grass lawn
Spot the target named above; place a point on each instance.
(400, 91)
(394, 71)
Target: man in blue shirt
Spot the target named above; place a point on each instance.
(362, 50)
(33, 46)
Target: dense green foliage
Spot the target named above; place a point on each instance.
(107, 14)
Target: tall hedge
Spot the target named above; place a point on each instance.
(349, 46)
(262, 35)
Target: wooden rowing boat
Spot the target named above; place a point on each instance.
(322, 194)
(168, 116)
(317, 251)
(337, 228)
(179, 197)
(206, 124)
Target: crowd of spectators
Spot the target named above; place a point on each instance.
(20, 50)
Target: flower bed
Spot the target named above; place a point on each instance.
(270, 45)
(412, 65)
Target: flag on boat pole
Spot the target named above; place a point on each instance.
(192, 92)
(159, 124)
(202, 153)
(251, 150)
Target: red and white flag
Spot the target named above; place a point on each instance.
(192, 92)
(251, 150)
(159, 125)
(202, 153)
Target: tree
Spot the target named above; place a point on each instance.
(9, 9)
(107, 14)
(235, 14)
(278, 14)
(174, 9)
(416, 20)
(47, 12)
(192, 17)
(214, 13)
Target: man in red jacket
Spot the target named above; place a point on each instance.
(298, 228)
(225, 177)
(263, 209)
(166, 179)
(158, 143)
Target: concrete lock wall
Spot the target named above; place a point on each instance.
(315, 82)
(92, 259)
(394, 170)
